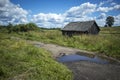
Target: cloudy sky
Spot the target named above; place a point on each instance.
(57, 13)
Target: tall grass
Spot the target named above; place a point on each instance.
(21, 61)
(107, 42)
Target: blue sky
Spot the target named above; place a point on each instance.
(57, 13)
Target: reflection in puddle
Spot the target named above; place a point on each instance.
(75, 57)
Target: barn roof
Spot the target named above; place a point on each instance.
(79, 26)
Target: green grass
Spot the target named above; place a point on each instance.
(19, 60)
(22, 61)
(107, 42)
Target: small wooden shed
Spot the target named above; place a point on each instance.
(86, 27)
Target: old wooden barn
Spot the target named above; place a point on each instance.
(86, 27)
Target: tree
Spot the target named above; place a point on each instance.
(109, 21)
(10, 28)
(105, 25)
(31, 26)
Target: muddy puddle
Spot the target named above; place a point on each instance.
(82, 57)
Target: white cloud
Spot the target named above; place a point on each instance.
(83, 9)
(12, 13)
(112, 6)
(77, 13)
(116, 7)
(117, 20)
(105, 2)
(107, 9)
(3, 2)
(100, 22)
(102, 16)
(113, 3)
(50, 19)
(101, 19)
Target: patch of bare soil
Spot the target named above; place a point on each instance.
(57, 50)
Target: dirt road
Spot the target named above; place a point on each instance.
(56, 50)
(83, 70)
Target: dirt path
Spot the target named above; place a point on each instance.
(56, 50)
(83, 70)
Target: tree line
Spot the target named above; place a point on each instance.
(19, 27)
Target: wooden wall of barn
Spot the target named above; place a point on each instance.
(70, 33)
(94, 29)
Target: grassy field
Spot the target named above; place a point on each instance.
(107, 42)
(22, 61)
